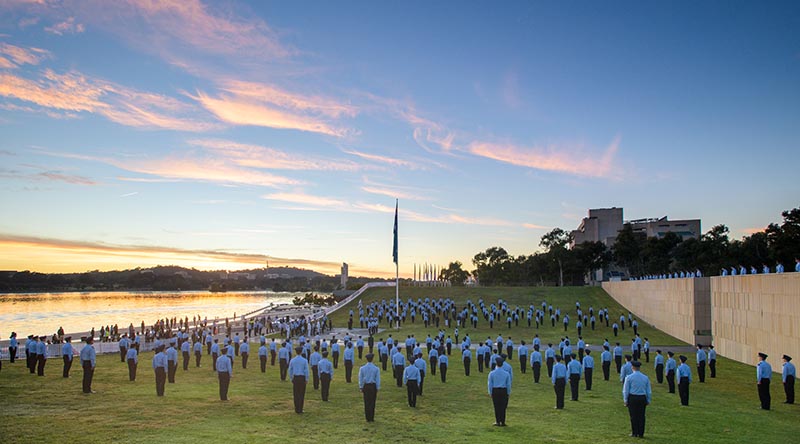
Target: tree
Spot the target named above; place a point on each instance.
(590, 256)
(628, 250)
(455, 274)
(784, 240)
(489, 266)
(556, 242)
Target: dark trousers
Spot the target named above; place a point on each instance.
(88, 374)
(224, 382)
(67, 365)
(325, 379)
(537, 371)
(467, 363)
(197, 356)
(587, 376)
(384, 361)
(443, 372)
(580, 354)
(618, 362)
(701, 371)
(671, 380)
(486, 365)
(315, 376)
(523, 363)
(500, 401)
(284, 367)
(131, 370)
(480, 363)
(185, 360)
(398, 375)
(32, 362)
(413, 389)
(560, 386)
(122, 352)
(647, 355)
(510, 352)
(763, 393)
(263, 360)
(214, 357)
(172, 366)
(161, 379)
(712, 366)
(335, 359)
(236, 348)
(788, 388)
(574, 380)
(245, 356)
(360, 351)
(550, 362)
(660, 373)
(272, 354)
(12, 354)
(683, 390)
(299, 392)
(370, 395)
(421, 381)
(606, 370)
(348, 371)
(433, 365)
(636, 408)
(40, 362)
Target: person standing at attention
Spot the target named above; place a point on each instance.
(636, 394)
(224, 373)
(298, 374)
(789, 374)
(763, 376)
(369, 382)
(88, 362)
(499, 385)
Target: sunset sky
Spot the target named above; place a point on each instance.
(222, 134)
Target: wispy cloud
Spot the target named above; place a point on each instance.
(563, 159)
(68, 26)
(257, 156)
(395, 191)
(535, 226)
(129, 194)
(247, 103)
(44, 175)
(73, 92)
(72, 179)
(12, 56)
(391, 161)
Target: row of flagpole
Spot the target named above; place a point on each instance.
(428, 275)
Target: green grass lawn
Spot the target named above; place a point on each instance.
(53, 409)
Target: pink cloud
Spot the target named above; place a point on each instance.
(14, 56)
(288, 100)
(563, 159)
(68, 26)
(395, 162)
(306, 199)
(75, 180)
(257, 156)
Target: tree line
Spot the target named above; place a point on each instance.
(560, 263)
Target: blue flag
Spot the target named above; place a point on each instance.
(394, 250)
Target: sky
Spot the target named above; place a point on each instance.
(222, 135)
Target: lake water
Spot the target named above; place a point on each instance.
(43, 313)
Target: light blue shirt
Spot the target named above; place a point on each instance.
(349, 354)
(172, 354)
(224, 365)
(574, 367)
(701, 356)
(763, 371)
(444, 360)
(789, 370)
(466, 354)
(411, 372)
(42, 349)
(398, 359)
(671, 364)
(66, 350)
(605, 356)
(132, 354)
(536, 356)
(324, 366)
(421, 365)
(89, 354)
(298, 366)
(369, 373)
(499, 378)
(626, 370)
(588, 362)
(559, 371)
(636, 384)
(160, 360)
(684, 371)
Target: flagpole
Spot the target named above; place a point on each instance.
(397, 266)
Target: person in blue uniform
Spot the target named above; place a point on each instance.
(684, 379)
(559, 379)
(788, 375)
(444, 362)
(66, 356)
(671, 368)
(335, 352)
(466, 359)
(186, 347)
(224, 374)
(701, 363)
(398, 363)
(369, 382)
(313, 361)
(88, 362)
(550, 359)
(626, 368)
(574, 370)
(132, 357)
(214, 354)
(13, 344)
(160, 367)
(298, 373)
(411, 378)
(636, 394)
(283, 360)
(244, 350)
(423, 368)
(536, 363)
(324, 369)
(41, 357)
(172, 363)
(588, 368)
(198, 352)
(712, 361)
(522, 352)
(605, 362)
(349, 360)
(763, 376)
(433, 356)
(659, 366)
(499, 386)
(263, 352)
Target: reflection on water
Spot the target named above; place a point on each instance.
(43, 313)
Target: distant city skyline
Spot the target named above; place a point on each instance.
(220, 135)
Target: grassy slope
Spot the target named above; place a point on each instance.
(52, 409)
